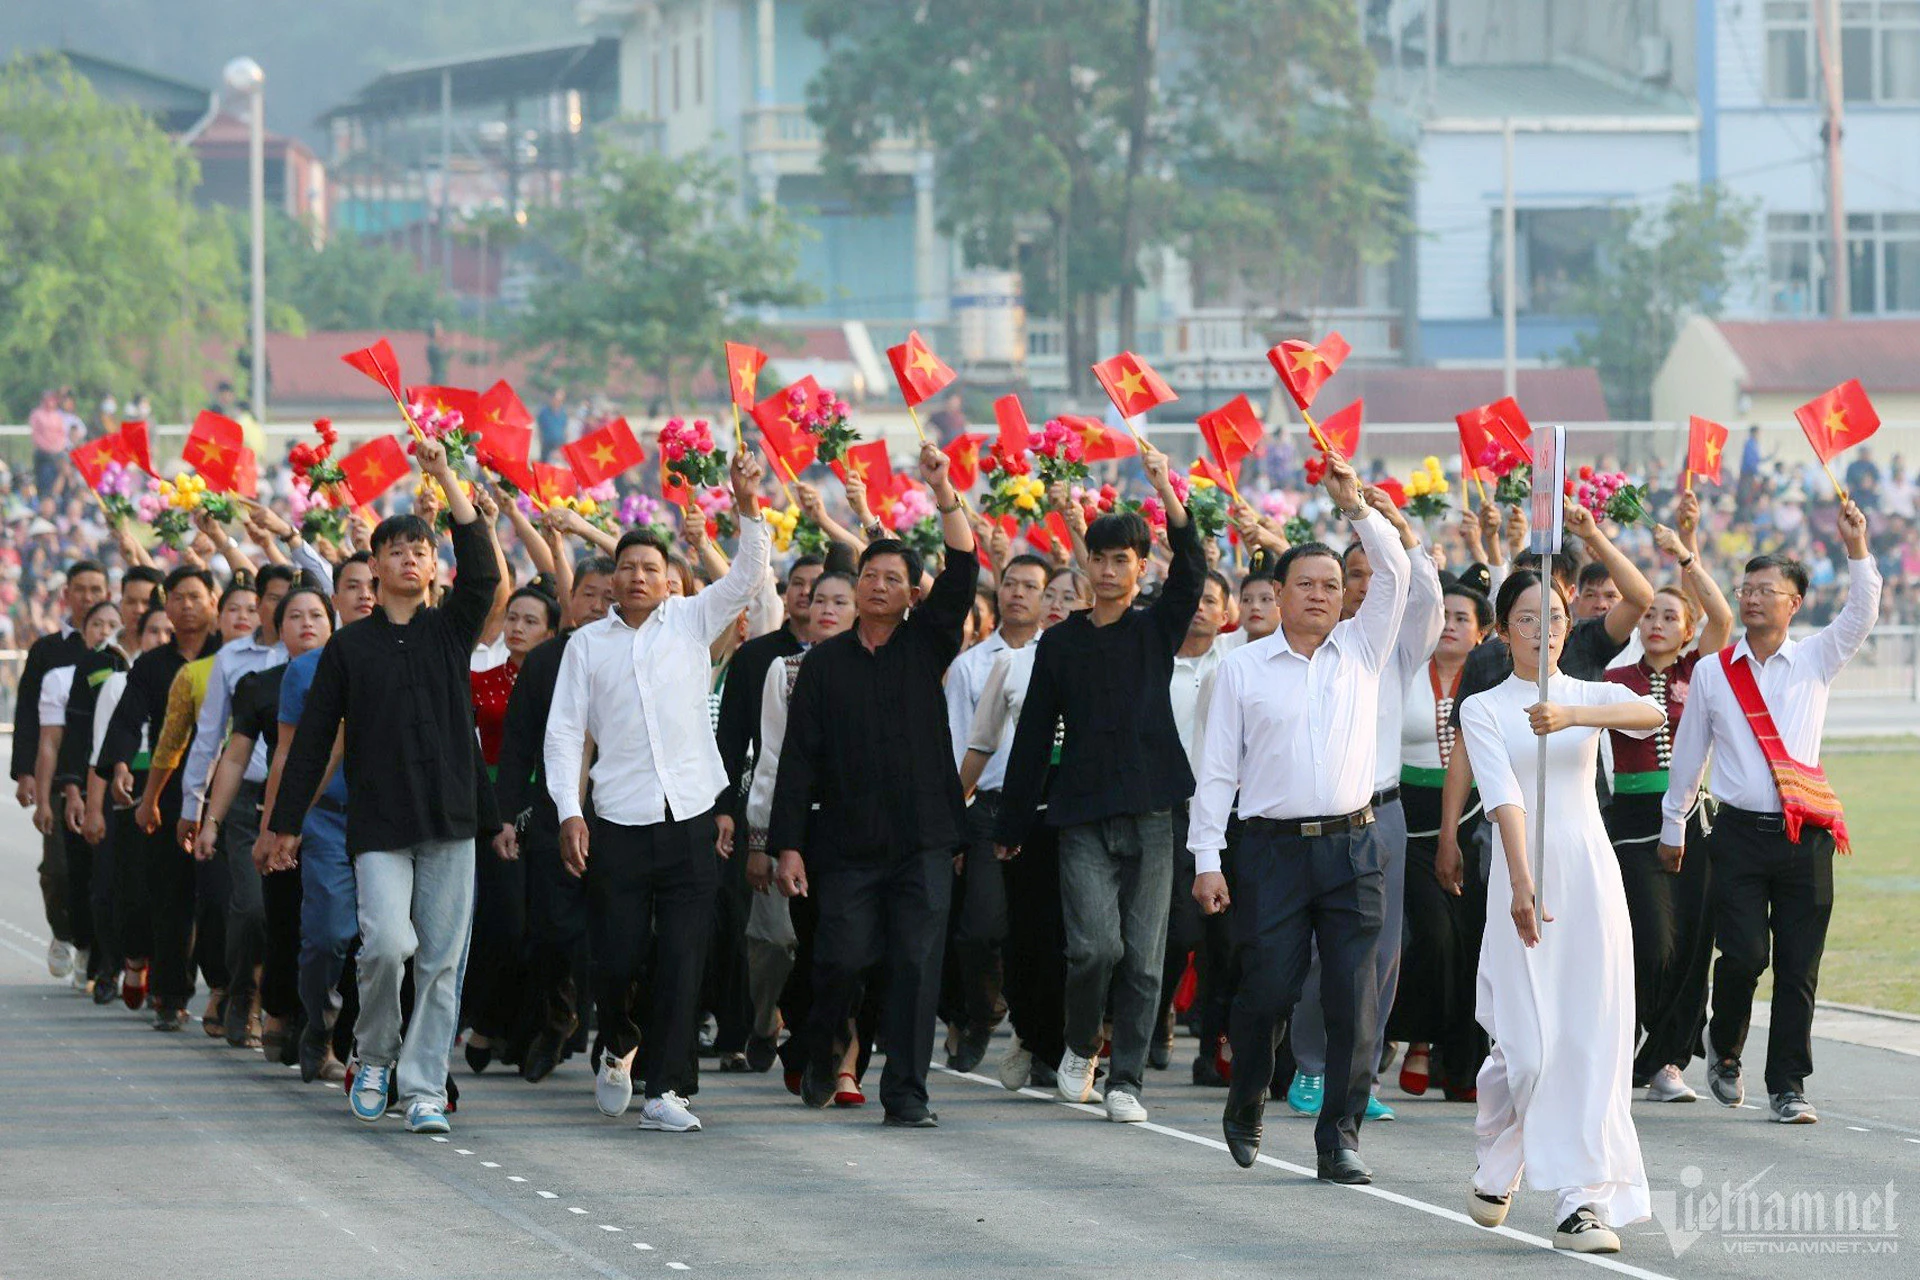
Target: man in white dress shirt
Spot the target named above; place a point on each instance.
(1765, 885)
(635, 683)
(1291, 728)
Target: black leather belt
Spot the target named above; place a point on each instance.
(1750, 819)
(327, 805)
(1384, 796)
(1361, 817)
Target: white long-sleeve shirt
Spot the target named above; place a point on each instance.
(776, 696)
(966, 678)
(1794, 683)
(1294, 734)
(1419, 632)
(641, 694)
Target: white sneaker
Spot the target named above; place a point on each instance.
(613, 1086)
(1076, 1076)
(1016, 1066)
(80, 961)
(59, 958)
(1667, 1086)
(1124, 1108)
(669, 1114)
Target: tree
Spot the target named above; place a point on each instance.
(110, 279)
(653, 267)
(345, 283)
(1656, 266)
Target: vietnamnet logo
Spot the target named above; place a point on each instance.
(1754, 1217)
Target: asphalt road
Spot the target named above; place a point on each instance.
(123, 1152)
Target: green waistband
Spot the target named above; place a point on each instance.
(1640, 784)
(1412, 775)
(142, 760)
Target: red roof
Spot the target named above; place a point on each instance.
(1435, 395)
(1805, 357)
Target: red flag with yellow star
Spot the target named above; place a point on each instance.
(1206, 469)
(1132, 385)
(1305, 367)
(441, 401)
(790, 443)
(920, 373)
(1500, 423)
(1015, 433)
(1341, 430)
(870, 461)
(246, 476)
(1101, 442)
(1838, 420)
(744, 364)
(91, 458)
(600, 455)
(213, 450)
(138, 444)
(1232, 431)
(550, 484)
(379, 363)
(1706, 442)
(963, 459)
(372, 468)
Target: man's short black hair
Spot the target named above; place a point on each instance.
(401, 528)
(79, 567)
(1347, 553)
(1592, 574)
(589, 566)
(544, 600)
(1120, 531)
(272, 573)
(188, 573)
(642, 537)
(1300, 552)
(358, 557)
(142, 573)
(1219, 579)
(1030, 560)
(804, 562)
(1566, 566)
(894, 547)
(1790, 569)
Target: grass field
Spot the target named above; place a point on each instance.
(1873, 947)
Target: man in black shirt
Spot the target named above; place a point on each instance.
(398, 681)
(66, 921)
(867, 740)
(170, 870)
(1107, 674)
(556, 899)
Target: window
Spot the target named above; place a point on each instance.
(1879, 51)
(1558, 251)
(1900, 262)
(1883, 264)
(1794, 258)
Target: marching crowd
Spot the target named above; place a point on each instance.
(588, 793)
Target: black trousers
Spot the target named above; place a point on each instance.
(79, 882)
(1440, 965)
(1672, 933)
(212, 888)
(171, 875)
(1766, 888)
(1290, 892)
(557, 972)
(491, 998)
(280, 894)
(796, 996)
(652, 884)
(974, 974)
(889, 912)
(130, 906)
(1036, 950)
(726, 995)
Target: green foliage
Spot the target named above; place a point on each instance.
(110, 279)
(651, 269)
(345, 284)
(1657, 266)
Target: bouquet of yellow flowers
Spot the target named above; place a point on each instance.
(1427, 489)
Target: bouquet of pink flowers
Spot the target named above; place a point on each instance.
(450, 428)
(716, 504)
(1059, 455)
(644, 511)
(1513, 474)
(690, 454)
(117, 490)
(1609, 496)
(314, 512)
(824, 417)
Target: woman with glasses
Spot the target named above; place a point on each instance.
(1672, 927)
(1556, 979)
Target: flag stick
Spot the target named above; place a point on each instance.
(915, 416)
(1314, 427)
(1687, 487)
(740, 437)
(1838, 490)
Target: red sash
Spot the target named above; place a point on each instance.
(1805, 794)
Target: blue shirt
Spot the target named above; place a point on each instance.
(293, 701)
(553, 426)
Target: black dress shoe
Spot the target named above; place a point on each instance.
(479, 1057)
(314, 1045)
(971, 1049)
(921, 1119)
(543, 1055)
(1160, 1055)
(761, 1052)
(816, 1089)
(1344, 1167)
(1244, 1128)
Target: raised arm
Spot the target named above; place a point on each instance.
(1636, 593)
(716, 608)
(1835, 644)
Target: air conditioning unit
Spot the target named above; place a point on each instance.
(1653, 59)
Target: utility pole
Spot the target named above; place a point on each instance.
(1510, 278)
(1826, 24)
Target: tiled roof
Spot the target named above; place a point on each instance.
(1812, 355)
(1435, 395)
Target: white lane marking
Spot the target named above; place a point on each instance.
(571, 1209)
(1854, 1128)
(620, 1230)
(440, 1139)
(463, 1151)
(513, 1177)
(679, 1266)
(1391, 1197)
(547, 1195)
(489, 1164)
(641, 1245)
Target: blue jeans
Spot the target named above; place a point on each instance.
(329, 916)
(1116, 878)
(416, 904)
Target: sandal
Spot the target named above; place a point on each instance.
(214, 1020)
(846, 1091)
(1415, 1073)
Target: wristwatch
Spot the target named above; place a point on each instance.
(1358, 513)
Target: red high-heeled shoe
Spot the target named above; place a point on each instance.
(133, 985)
(1414, 1079)
(846, 1092)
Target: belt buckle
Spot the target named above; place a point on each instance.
(1310, 828)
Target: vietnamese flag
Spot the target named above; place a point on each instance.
(91, 458)
(1015, 433)
(963, 460)
(1232, 431)
(1100, 442)
(785, 438)
(1838, 420)
(672, 487)
(138, 445)
(372, 469)
(379, 363)
(920, 373)
(550, 484)
(600, 455)
(1341, 430)
(213, 449)
(1132, 385)
(744, 364)
(441, 401)
(502, 427)
(1208, 470)
(869, 461)
(246, 476)
(1706, 442)
(1500, 423)
(1305, 368)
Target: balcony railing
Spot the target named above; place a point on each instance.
(791, 129)
(1216, 348)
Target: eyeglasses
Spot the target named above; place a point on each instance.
(1528, 624)
(1746, 592)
